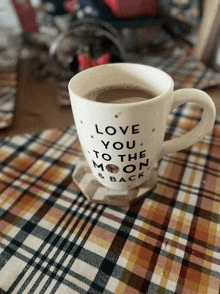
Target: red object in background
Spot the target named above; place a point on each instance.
(69, 5)
(26, 15)
(86, 62)
(132, 8)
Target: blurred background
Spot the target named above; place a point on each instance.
(43, 43)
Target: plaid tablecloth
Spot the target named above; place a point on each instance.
(53, 240)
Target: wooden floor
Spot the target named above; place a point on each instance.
(36, 105)
(37, 108)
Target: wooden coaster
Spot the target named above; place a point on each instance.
(97, 193)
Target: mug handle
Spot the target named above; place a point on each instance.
(202, 128)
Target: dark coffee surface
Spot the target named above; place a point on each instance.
(120, 94)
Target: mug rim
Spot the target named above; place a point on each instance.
(122, 64)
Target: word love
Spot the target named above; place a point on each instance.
(111, 131)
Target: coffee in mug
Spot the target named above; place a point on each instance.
(119, 94)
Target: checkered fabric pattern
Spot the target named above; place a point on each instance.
(53, 240)
(185, 69)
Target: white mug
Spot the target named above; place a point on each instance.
(123, 142)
